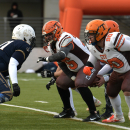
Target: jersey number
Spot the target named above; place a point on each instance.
(5, 44)
(114, 63)
(109, 37)
(72, 64)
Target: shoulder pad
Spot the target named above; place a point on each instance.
(66, 41)
(112, 39)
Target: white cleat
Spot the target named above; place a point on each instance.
(97, 104)
(114, 118)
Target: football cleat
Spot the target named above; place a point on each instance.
(97, 104)
(108, 112)
(114, 118)
(93, 117)
(129, 115)
(66, 113)
(106, 115)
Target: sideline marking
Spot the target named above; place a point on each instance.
(75, 118)
(41, 101)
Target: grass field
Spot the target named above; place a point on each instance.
(22, 116)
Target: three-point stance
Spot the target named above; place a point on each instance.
(71, 55)
(12, 55)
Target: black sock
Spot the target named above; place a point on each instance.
(88, 98)
(65, 97)
(108, 103)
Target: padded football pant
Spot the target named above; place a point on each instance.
(118, 82)
(64, 82)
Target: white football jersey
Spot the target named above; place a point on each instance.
(76, 57)
(116, 52)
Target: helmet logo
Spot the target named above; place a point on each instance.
(101, 26)
(56, 24)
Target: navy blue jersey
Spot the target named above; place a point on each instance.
(17, 49)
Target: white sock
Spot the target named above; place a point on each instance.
(127, 99)
(116, 103)
(71, 100)
(94, 99)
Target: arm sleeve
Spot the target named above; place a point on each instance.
(13, 70)
(65, 69)
(105, 69)
(92, 59)
(61, 54)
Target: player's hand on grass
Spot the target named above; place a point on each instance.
(51, 82)
(16, 90)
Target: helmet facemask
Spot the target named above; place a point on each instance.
(98, 28)
(51, 31)
(49, 38)
(87, 34)
(32, 41)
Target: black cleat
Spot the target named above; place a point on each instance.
(106, 115)
(65, 114)
(108, 112)
(93, 117)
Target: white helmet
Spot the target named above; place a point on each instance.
(24, 32)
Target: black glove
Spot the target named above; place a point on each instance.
(46, 73)
(51, 82)
(16, 90)
(41, 59)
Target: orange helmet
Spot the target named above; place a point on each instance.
(112, 26)
(97, 27)
(51, 31)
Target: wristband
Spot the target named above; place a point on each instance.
(73, 78)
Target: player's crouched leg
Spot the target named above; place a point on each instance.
(63, 82)
(4, 97)
(6, 93)
(82, 83)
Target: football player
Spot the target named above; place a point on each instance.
(71, 55)
(113, 49)
(112, 27)
(47, 73)
(12, 55)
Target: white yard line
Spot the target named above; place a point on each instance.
(22, 79)
(41, 101)
(55, 113)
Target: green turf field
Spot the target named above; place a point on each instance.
(27, 114)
